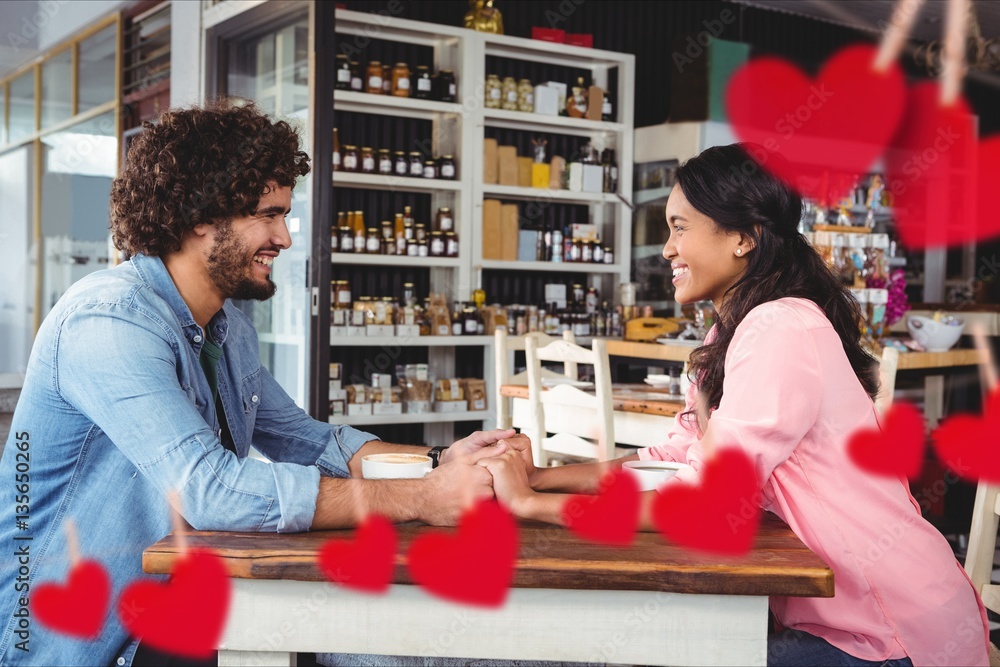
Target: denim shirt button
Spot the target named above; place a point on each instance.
(197, 338)
(120, 661)
(254, 399)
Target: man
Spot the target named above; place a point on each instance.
(144, 379)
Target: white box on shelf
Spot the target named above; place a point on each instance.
(575, 177)
(593, 178)
(337, 331)
(546, 100)
(387, 408)
(359, 409)
(354, 332)
(418, 407)
(407, 330)
(379, 330)
(556, 293)
(561, 89)
(451, 407)
(335, 386)
(584, 232)
(337, 394)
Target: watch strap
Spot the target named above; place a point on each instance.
(435, 454)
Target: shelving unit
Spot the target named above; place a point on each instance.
(459, 129)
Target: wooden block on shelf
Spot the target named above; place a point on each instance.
(524, 171)
(491, 229)
(507, 157)
(508, 232)
(556, 169)
(595, 103)
(491, 167)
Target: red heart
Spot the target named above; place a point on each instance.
(929, 168)
(78, 608)
(186, 615)
(830, 128)
(897, 449)
(611, 516)
(476, 565)
(719, 515)
(365, 564)
(968, 444)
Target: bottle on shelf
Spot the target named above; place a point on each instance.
(399, 233)
(400, 166)
(576, 101)
(478, 294)
(525, 96)
(456, 320)
(367, 160)
(373, 80)
(386, 79)
(401, 80)
(447, 88)
(360, 232)
(336, 151)
(493, 92)
(610, 167)
(343, 73)
(607, 109)
(373, 241)
(349, 160)
(423, 86)
(357, 83)
(384, 162)
(509, 94)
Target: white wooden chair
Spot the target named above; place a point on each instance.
(887, 379)
(504, 348)
(982, 547)
(582, 424)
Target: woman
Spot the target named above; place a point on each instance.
(783, 377)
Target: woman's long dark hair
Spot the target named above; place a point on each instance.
(726, 184)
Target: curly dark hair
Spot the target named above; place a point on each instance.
(199, 165)
(728, 185)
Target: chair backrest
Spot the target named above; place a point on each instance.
(983, 544)
(504, 348)
(582, 423)
(887, 379)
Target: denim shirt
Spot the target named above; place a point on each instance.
(115, 412)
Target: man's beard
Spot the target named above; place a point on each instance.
(230, 267)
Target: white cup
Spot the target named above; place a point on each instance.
(652, 474)
(394, 465)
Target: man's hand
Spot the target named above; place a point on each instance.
(521, 444)
(453, 487)
(510, 481)
(466, 448)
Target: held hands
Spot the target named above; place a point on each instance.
(510, 480)
(467, 448)
(457, 483)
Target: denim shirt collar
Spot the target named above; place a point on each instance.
(152, 271)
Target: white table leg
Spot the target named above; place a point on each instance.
(933, 400)
(256, 659)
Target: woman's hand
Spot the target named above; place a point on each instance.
(522, 445)
(510, 481)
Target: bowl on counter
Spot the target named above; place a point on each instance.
(935, 336)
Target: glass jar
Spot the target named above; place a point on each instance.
(367, 160)
(470, 322)
(401, 80)
(430, 169)
(343, 293)
(575, 251)
(578, 293)
(493, 93)
(416, 164)
(450, 244)
(509, 94)
(373, 244)
(587, 252)
(388, 246)
(412, 249)
(400, 165)
(343, 68)
(525, 96)
(389, 306)
(409, 295)
(422, 249)
(422, 84)
(386, 79)
(445, 221)
(609, 255)
(384, 161)
(373, 78)
(598, 253)
(346, 243)
(357, 83)
(419, 232)
(349, 162)
(387, 233)
(446, 167)
(437, 244)
(447, 89)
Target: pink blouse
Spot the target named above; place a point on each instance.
(790, 401)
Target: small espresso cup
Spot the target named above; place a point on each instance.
(393, 465)
(652, 474)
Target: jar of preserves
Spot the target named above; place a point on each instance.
(575, 251)
(349, 161)
(367, 160)
(422, 249)
(416, 164)
(447, 89)
(343, 68)
(446, 167)
(384, 161)
(609, 255)
(360, 242)
(430, 169)
(399, 164)
(450, 244)
(401, 80)
(373, 244)
(409, 295)
(388, 246)
(389, 305)
(509, 94)
(493, 92)
(437, 244)
(587, 252)
(445, 221)
(346, 243)
(387, 232)
(357, 83)
(344, 294)
(422, 84)
(419, 232)
(598, 253)
(386, 79)
(412, 249)
(525, 96)
(470, 321)
(373, 80)
(409, 233)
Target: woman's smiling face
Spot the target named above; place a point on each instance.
(706, 261)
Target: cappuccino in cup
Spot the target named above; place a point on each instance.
(395, 465)
(651, 474)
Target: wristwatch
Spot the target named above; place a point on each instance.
(435, 454)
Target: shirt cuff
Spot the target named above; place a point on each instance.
(298, 490)
(345, 442)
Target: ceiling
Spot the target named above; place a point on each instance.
(866, 14)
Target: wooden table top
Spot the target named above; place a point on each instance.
(639, 398)
(549, 557)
